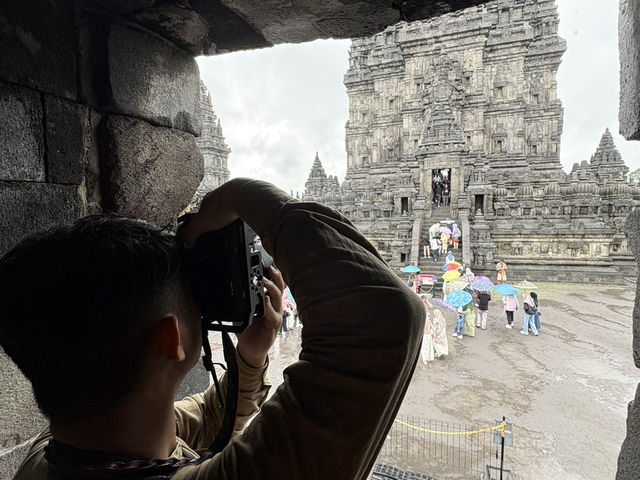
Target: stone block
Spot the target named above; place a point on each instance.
(632, 231)
(151, 79)
(27, 207)
(38, 45)
(67, 138)
(629, 457)
(22, 146)
(149, 172)
(180, 24)
(629, 45)
(21, 418)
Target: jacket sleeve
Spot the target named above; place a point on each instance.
(199, 417)
(360, 343)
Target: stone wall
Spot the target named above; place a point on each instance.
(629, 116)
(96, 116)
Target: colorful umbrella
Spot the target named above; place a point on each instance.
(456, 284)
(481, 285)
(446, 305)
(410, 269)
(451, 266)
(459, 298)
(450, 275)
(506, 289)
(445, 230)
(482, 277)
(525, 285)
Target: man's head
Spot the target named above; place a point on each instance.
(77, 305)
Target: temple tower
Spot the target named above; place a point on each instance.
(213, 147)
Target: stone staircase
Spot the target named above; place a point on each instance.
(427, 265)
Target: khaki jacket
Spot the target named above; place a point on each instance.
(360, 343)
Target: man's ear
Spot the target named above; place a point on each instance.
(165, 338)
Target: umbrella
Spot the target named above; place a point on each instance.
(481, 285)
(459, 298)
(446, 305)
(457, 284)
(482, 277)
(450, 275)
(445, 230)
(506, 289)
(525, 285)
(451, 266)
(410, 269)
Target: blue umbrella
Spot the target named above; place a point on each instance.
(459, 298)
(410, 269)
(481, 286)
(506, 289)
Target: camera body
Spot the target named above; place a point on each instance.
(226, 269)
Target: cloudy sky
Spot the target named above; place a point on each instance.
(279, 106)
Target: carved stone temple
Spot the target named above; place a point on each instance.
(213, 148)
(472, 96)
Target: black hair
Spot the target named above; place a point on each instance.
(76, 303)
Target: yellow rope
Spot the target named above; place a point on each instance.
(500, 426)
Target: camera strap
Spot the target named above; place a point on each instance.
(230, 406)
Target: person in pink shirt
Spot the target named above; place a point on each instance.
(510, 305)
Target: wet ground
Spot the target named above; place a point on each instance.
(566, 390)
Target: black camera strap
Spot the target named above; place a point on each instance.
(230, 406)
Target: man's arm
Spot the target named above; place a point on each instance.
(360, 342)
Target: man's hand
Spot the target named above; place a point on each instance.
(254, 343)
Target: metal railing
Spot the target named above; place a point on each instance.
(440, 448)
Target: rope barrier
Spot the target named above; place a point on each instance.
(500, 426)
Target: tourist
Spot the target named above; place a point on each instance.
(438, 190)
(427, 349)
(469, 275)
(501, 268)
(528, 321)
(469, 320)
(435, 248)
(455, 235)
(433, 230)
(439, 334)
(511, 304)
(536, 315)
(445, 196)
(459, 324)
(444, 238)
(482, 300)
(426, 251)
(450, 257)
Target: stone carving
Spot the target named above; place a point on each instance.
(461, 110)
(213, 147)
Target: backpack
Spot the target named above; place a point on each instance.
(530, 309)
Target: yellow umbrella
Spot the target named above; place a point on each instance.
(456, 284)
(450, 275)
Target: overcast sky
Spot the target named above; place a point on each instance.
(279, 105)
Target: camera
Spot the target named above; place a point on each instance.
(226, 268)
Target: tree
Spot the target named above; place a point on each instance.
(634, 176)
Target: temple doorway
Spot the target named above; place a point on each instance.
(441, 186)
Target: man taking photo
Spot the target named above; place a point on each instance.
(100, 317)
